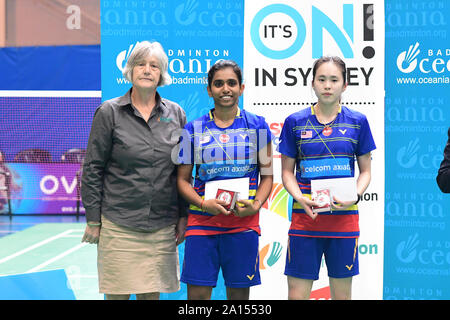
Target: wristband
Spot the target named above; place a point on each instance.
(359, 198)
(95, 224)
(201, 205)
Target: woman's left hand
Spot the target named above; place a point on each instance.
(337, 204)
(249, 208)
(180, 230)
(91, 234)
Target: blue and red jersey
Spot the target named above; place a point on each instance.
(219, 154)
(324, 154)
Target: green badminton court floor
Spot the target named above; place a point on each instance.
(51, 246)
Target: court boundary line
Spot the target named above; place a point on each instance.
(59, 256)
(36, 245)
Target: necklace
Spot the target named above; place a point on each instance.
(222, 123)
(327, 128)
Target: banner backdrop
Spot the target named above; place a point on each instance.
(276, 43)
(417, 261)
(194, 34)
(50, 188)
(282, 40)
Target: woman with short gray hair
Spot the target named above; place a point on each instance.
(133, 210)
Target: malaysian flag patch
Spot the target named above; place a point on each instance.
(306, 134)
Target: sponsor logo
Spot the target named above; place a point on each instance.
(411, 155)
(269, 255)
(406, 250)
(325, 168)
(163, 119)
(407, 60)
(430, 66)
(209, 171)
(281, 38)
(185, 13)
(218, 15)
(432, 254)
(407, 155)
(122, 57)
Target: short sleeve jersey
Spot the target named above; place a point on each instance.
(322, 154)
(223, 153)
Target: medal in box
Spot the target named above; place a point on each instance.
(228, 196)
(323, 198)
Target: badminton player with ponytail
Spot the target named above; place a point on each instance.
(322, 142)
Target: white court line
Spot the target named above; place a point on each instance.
(59, 256)
(34, 246)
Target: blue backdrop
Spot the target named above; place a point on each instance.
(417, 245)
(417, 220)
(50, 68)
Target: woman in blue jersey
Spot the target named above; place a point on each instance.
(322, 142)
(226, 145)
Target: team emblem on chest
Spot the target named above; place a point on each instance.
(224, 138)
(327, 131)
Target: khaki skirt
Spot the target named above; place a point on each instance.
(131, 261)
